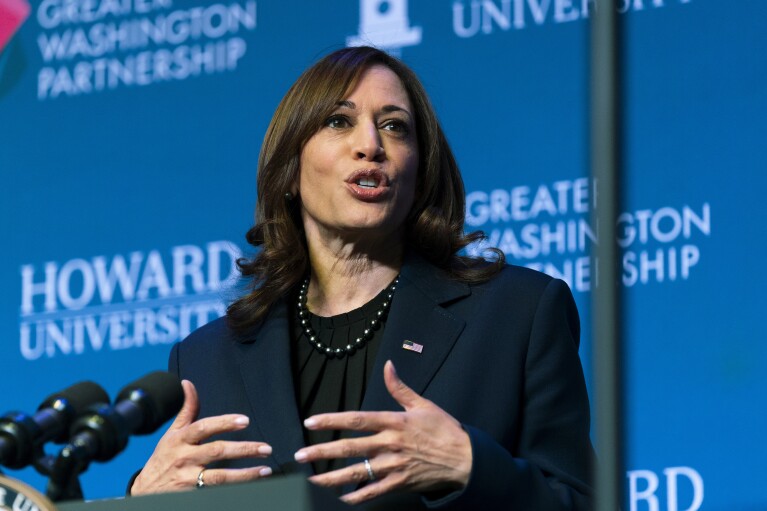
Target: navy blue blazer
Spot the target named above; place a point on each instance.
(501, 357)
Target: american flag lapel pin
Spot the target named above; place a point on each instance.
(412, 346)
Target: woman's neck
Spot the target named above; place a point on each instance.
(346, 275)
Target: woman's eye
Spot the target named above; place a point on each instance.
(396, 126)
(337, 122)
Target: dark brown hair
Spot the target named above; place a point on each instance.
(434, 226)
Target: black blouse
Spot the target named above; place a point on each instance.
(326, 385)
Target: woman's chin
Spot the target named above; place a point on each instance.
(370, 232)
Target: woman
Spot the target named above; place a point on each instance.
(360, 221)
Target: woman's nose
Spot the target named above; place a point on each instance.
(367, 143)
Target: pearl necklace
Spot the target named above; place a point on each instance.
(367, 334)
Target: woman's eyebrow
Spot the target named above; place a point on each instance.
(386, 108)
(394, 108)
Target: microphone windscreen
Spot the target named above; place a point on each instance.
(159, 395)
(70, 403)
(79, 397)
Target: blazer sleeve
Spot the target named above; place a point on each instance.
(550, 468)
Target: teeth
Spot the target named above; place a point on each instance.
(368, 182)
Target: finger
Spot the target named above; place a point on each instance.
(188, 412)
(354, 421)
(375, 489)
(219, 476)
(401, 393)
(229, 450)
(353, 474)
(205, 428)
(346, 448)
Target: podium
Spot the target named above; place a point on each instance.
(289, 493)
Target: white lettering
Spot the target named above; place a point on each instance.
(52, 13)
(109, 34)
(58, 336)
(555, 236)
(97, 331)
(519, 200)
(671, 484)
(64, 284)
(690, 257)
(22, 503)
(543, 201)
(459, 25)
(154, 277)
(581, 195)
(491, 13)
(215, 264)
(562, 188)
(647, 265)
(647, 494)
(31, 350)
(118, 330)
(564, 11)
(499, 206)
(29, 288)
(187, 262)
(141, 69)
(118, 273)
(651, 483)
(703, 222)
(539, 10)
(582, 274)
(673, 231)
(477, 210)
(627, 234)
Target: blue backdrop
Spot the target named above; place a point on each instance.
(130, 130)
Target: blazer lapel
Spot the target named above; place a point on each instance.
(416, 315)
(268, 380)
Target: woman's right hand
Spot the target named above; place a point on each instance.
(180, 456)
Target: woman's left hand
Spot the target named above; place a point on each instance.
(422, 449)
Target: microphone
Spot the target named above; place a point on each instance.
(140, 409)
(22, 435)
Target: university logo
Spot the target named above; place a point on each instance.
(123, 301)
(385, 25)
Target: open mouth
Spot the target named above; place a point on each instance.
(369, 185)
(367, 182)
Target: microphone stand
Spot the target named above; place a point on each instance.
(98, 435)
(64, 472)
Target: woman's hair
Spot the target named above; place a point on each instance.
(434, 226)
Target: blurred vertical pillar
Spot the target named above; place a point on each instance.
(606, 293)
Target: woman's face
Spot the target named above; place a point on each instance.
(358, 172)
